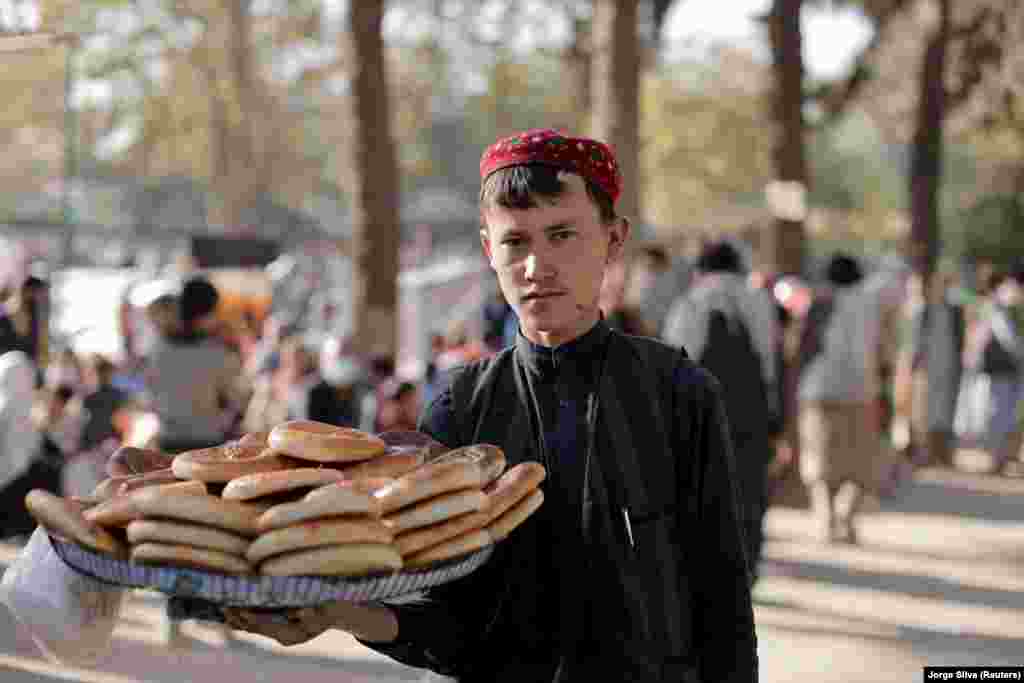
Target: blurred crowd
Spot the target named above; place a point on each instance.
(848, 379)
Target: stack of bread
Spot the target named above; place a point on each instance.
(304, 499)
(458, 503)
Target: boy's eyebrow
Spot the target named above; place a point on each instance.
(564, 225)
(556, 227)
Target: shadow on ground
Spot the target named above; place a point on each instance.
(912, 585)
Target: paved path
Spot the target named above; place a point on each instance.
(937, 580)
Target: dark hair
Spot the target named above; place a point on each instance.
(64, 393)
(382, 365)
(102, 366)
(843, 270)
(656, 256)
(1017, 272)
(517, 187)
(198, 298)
(719, 257)
(993, 279)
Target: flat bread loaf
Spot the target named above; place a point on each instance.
(65, 518)
(429, 481)
(343, 498)
(189, 556)
(230, 515)
(513, 486)
(436, 510)
(422, 538)
(261, 484)
(351, 559)
(332, 531)
(516, 515)
(322, 442)
(490, 459)
(394, 462)
(223, 463)
(121, 509)
(184, 533)
(452, 548)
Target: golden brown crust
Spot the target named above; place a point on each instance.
(230, 515)
(184, 533)
(260, 484)
(188, 556)
(422, 538)
(436, 510)
(254, 439)
(345, 498)
(428, 481)
(516, 515)
(513, 486)
(452, 548)
(224, 463)
(321, 442)
(394, 463)
(330, 531)
(489, 458)
(353, 559)
(65, 518)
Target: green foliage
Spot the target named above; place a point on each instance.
(992, 229)
(853, 169)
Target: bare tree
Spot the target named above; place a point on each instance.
(785, 250)
(616, 91)
(374, 184)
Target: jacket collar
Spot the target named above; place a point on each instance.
(579, 356)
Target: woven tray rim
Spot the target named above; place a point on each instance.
(259, 591)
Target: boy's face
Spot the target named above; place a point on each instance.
(550, 261)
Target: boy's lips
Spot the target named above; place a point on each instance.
(534, 296)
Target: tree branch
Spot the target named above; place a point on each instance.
(835, 97)
(980, 50)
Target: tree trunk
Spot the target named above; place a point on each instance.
(239, 181)
(784, 249)
(616, 93)
(577, 69)
(375, 188)
(922, 248)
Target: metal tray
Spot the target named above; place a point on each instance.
(258, 591)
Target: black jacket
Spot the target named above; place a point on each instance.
(669, 595)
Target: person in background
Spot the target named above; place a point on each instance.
(59, 416)
(24, 463)
(652, 286)
(25, 319)
(840, 436)
(495, 316)
(353, 380)
(308, 395)
(731, 329)
(65, 369)
(192, 379)
(399, 406)
(618, 313)
(996, 356)
(432, 374)
(933, 357)
(634, 568)
(101, 402)
(459, 346)
(265, 357)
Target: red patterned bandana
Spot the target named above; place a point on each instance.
(592, 160)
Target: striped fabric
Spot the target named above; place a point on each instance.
(264, 591)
